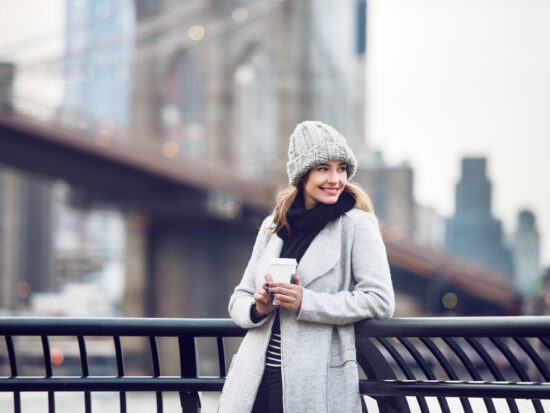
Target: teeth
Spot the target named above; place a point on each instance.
(330, 190)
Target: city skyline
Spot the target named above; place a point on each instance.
(449, 79)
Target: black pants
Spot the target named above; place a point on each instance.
(269, 398)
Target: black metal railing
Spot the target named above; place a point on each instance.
(188, 384)
(480, 357)
(433, 359)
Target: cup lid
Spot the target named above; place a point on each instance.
(283, 261)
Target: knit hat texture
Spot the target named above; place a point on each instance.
(313, 143)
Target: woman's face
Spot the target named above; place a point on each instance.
(324, 183)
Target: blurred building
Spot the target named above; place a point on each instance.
(98, 65)
(429, 226)
(227, 81)
(26, 237)
(7, 73)
(526, 252)
(391, 191)
(473, 232)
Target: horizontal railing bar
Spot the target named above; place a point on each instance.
(111, 384)
(514, 326)
(120, 326)
(519, 390)
(509, 326)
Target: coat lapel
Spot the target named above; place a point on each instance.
(322, 254)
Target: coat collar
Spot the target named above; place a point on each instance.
(321, 256)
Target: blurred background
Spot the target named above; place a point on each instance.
(142, 142)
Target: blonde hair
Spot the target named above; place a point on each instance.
(286, 197)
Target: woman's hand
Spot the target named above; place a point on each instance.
(262, 297)
(288, 295)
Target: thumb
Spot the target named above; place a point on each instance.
(268, 277)
(295, 279)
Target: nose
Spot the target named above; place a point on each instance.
(333, 177)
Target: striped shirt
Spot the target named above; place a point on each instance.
(273, 353)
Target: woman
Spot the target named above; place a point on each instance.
(299, 352)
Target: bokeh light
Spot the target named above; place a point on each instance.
(23, 289)
(170, 149)
(231, 209)
(196, 32)
(449, 301)
(244, 75)
(240, 15)
(57, 356)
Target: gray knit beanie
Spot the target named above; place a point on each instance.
(313, 143)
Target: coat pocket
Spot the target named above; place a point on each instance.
(343, 383)
(338, 360)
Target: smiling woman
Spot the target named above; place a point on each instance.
(299, 352)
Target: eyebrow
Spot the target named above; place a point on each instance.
(326, 164)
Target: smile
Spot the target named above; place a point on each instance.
(330, 190)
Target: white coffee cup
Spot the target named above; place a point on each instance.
(282, 268)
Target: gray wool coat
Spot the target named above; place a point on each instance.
(345, 278)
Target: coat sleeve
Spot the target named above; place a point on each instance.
(243, 296)
(372, 295)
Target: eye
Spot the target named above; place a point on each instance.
(322, 169)
(343, 168)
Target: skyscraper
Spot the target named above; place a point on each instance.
(26, 227)
(98, 59)
(473, 232)
(526, 250)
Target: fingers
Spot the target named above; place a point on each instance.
(291, 302)
(261, 298)
(284, 298)
(286, 294)
(280, 288)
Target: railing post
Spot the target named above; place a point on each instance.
(376, 367)
(190, 401)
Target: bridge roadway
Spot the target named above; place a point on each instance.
(183, 203)
(118, 165)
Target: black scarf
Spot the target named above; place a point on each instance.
(305, 223)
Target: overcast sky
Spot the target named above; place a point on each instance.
(33, 30)
(453, 78)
